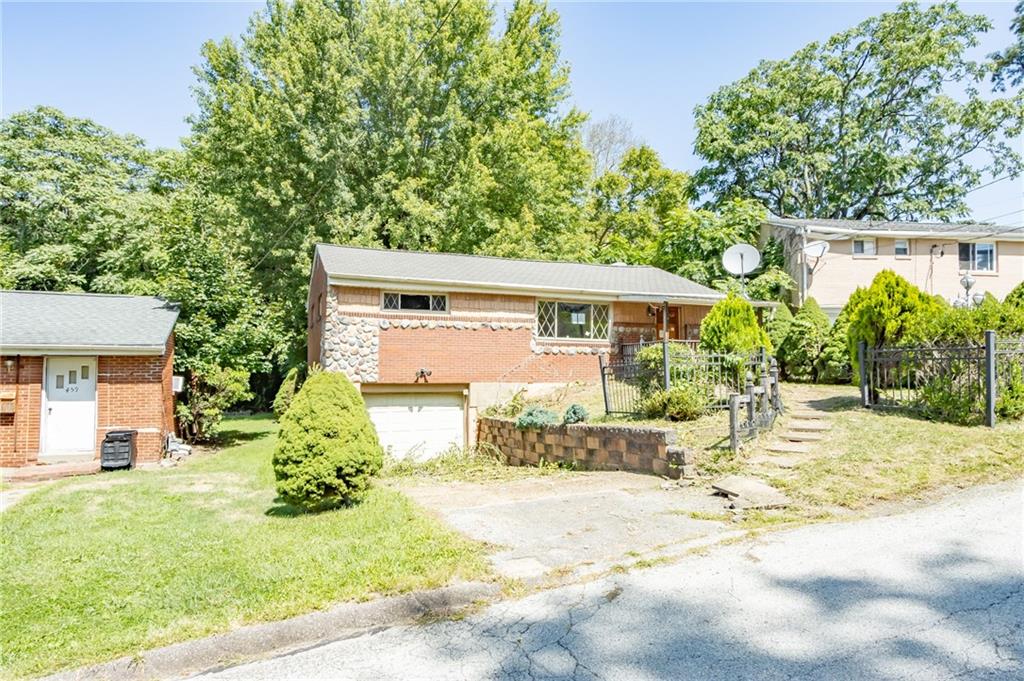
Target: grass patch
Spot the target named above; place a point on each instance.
(871, 456)
(868, 457)
(98, 567)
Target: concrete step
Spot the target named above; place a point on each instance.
(810, 414)
(796, 436)
(789, 448)
(54, 471)
(810, 426)
(780, 461)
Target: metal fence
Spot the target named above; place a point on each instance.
(628, 382)
(627, 351)
(756, 408)
(959, 383)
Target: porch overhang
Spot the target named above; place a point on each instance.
(687, 300)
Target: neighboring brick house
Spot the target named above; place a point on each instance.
(432, 338)
(74, 366)
(932, 256)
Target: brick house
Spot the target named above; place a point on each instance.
(74, 366)
(433, 338)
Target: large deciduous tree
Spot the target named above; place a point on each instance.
(631, 204)
(1009, 64)
(76, 202)
(885, 120)
(400, 124)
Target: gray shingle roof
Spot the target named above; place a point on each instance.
(881, 226)
(40, 320)
(526, 275)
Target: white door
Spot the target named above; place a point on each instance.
(417, 425)
(69, 405)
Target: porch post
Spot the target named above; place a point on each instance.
(664, 344)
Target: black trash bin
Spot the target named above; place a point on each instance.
(118, 450)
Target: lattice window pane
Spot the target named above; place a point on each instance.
(438, 303)
(546, 318)
(392, 301)
(600, 315)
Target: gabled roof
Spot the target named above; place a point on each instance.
(40, 322)
(971, 230)
(369, 266)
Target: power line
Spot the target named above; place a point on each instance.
(989, 184)
(996, 217)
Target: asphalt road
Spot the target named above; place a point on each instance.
(936, 593)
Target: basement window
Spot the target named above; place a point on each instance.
(415, 302)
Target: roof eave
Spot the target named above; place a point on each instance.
(440, 286)
(811, 227)
(36, 349)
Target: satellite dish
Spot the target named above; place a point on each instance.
(816, 249)
(741, 259)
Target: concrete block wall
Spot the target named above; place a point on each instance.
(590, 447)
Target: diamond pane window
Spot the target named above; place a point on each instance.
(545, 319)
(415, 302)
(572, 320)
(600, 321)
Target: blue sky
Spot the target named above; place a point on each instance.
(128, 65)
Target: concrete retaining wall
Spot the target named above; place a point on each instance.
(590, 447)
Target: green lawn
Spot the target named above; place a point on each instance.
(98, 567)
(868, 457)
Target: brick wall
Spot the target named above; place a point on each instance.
(132, 393)
(467, 355)
(316, 305)
(590, 447)
(19, 432)
(482, 338)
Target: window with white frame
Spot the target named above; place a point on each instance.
(902, 248)
(978, 257)
(415, 302)
(864, 247)
(584, 321)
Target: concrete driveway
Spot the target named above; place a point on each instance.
(937, 593)
(573, 523)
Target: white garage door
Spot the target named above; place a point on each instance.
(420, 425)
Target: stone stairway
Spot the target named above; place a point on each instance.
(805, 426)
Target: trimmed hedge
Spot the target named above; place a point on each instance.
(779, 325)
(286, 392)
(731, 327)
(327, 449)
(805, 342)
